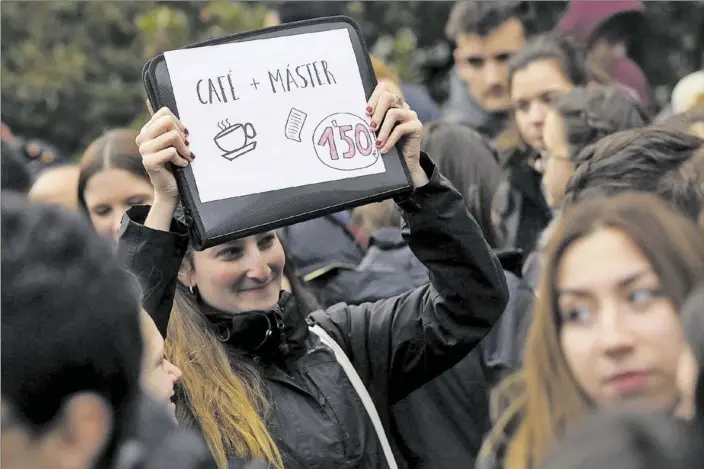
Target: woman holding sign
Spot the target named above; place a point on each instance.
(264, 378)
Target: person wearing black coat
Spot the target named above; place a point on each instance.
(317, 418)
(442, 424)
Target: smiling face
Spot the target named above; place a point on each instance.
(534, 88)
(108, 195)
(620, 335)
(239, 276)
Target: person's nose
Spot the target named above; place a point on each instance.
(257, 267)
(116, 221)
(537, 113)
(615, 335)
(494, 73)
(174, 372)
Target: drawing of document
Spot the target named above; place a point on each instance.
(294, 124)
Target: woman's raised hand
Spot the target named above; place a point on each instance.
(162, 140)
(394, 120)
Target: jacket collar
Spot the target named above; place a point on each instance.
(272, 336)
(527, 180)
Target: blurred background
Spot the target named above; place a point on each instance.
(72, 69)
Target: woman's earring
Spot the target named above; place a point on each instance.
(194, 292)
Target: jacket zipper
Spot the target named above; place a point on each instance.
(279, 317)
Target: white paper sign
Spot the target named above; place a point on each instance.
(274, 113)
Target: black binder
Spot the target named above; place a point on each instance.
(216, 222)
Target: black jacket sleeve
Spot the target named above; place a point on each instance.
(502, 349)
(154, 257)
(399, 344)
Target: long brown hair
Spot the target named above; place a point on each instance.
(224, 399)
(543, 399)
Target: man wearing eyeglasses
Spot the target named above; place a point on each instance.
(486, 35)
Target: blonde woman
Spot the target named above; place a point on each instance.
(256, 381)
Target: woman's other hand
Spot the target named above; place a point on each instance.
(393, 121)
(164, 140)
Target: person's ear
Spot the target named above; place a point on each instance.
(84, 431)
(187, 274)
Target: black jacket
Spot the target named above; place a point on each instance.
(519, 210)
(442, 424)
(396, 345)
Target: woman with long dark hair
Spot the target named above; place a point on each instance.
(257, 383)
(547, 67)
(605, 330)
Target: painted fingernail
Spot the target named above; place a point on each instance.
(372, 125)
(186, 142)
(378, 143)
(369, 109)
(185, 131)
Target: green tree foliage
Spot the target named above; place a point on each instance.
(72, 69)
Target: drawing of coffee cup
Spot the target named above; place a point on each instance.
(233, 138)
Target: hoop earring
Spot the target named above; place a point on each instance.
(226, 336)
(194, 292)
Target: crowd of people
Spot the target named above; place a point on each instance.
(536, 302)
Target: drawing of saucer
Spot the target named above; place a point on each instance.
(231, 155)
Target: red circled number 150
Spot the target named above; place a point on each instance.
(358, 139)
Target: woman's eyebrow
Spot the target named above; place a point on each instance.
(232, 244)
(626, 282)
(623, 283)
